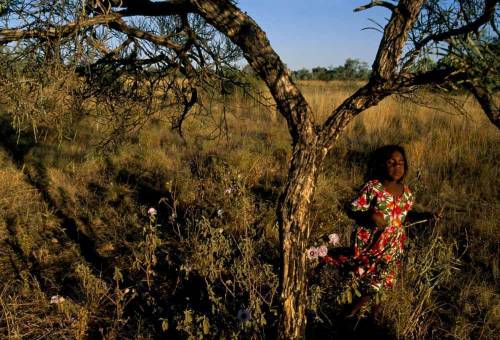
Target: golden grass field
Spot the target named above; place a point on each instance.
(74, 223)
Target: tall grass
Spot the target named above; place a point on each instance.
(74, 223)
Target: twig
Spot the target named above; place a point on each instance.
(417, 222)
(374, 3)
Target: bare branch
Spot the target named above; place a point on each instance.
(10, 35)
(113, 54)
(385, 81)
(188, 103)
(395, 36)
(120, 25)
(374, 3)
(409, 81)
(488, 13)
(247, 35)
(487, 102)
(367, 96)
(381, 83)
(441, 77)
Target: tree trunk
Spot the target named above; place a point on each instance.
(293, 220)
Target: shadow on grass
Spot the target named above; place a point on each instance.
(18, 145)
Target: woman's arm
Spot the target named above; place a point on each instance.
(363, 210)
(360, 217)
(416, 216)
(365, 217)
(430, 217)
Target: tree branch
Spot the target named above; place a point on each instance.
(488, 13)
(381, 83)
(10, 35)
(409, 81)
(374, 3)
(395, 36)
(247, 35)
(385, 81)
(451, 75)
(487, 102)
(367, 96)
(120, 25)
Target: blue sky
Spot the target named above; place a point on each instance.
(309, 33)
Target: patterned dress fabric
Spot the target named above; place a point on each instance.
(378, 251)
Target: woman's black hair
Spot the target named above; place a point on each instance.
(377, 168)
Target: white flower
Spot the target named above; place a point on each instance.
(152, 212)
(312, 253)
(228, 191)
(126, 291)
(220, 212)
(56, 299)
(322, 251)
(334, 239)
(243, 315)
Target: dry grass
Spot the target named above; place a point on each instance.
(73, 222)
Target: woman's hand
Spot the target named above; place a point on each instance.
(437, 216)
(378, 218)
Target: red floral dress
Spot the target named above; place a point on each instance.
(377, 251)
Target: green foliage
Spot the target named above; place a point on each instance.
(4, 6)
(479, 58)
(353, 69)
(145, 253)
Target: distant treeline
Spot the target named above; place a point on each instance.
(352, 69)
(355, 69)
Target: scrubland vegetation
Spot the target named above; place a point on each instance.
(76, 224)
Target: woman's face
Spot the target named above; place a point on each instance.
(395, 166)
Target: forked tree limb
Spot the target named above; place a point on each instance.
(243, 31)
(386, 81)
(384, 71)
